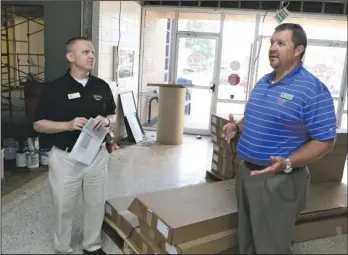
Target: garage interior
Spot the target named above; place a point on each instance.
(140, 44)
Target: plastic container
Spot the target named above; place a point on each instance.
(33, 143)
(44, 157)
(2, 163)
(10, 148)
(33, 159)
(21, 159)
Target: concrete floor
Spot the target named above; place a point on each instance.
(27, 211)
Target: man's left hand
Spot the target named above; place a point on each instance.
(278, 164)
(100, 121)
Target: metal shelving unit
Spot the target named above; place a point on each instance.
(14, 70)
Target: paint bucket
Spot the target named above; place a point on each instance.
(44, 157)
(33, 143)
(21, 159)
(33, 159)
(2, 163)
(10, 148)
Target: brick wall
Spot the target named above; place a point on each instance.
(105, 35)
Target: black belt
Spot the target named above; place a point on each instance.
(253, 166)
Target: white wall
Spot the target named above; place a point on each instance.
(105, 34)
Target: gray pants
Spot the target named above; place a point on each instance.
(268, 207)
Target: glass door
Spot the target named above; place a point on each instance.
(196, 61)
(237, 64)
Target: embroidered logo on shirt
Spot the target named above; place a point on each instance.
(97, 97)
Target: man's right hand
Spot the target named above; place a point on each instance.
(76, 124)
(229, 131)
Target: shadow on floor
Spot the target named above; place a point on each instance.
(15, 178)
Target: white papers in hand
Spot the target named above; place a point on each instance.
(88, 143)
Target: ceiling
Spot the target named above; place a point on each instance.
(308, 6)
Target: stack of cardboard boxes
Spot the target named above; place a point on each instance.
(202, 218)
(225, 159)
(187, 220)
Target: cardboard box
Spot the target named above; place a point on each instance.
(189, 213)
(325, 200)
(225, 160)
(211, 244)
(325, 215)
(117, 210)
(217, 124)
(225, 163)
(330, 167)
(320, 229)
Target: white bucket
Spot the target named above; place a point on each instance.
(21, 159)
(10, 148)
(33, 159)
(33, 143)
(44, 158)
(10, 153)
(2, 163)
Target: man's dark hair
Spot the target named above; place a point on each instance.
(72, 41)
(299, 36)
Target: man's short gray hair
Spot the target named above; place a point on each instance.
(70, 43)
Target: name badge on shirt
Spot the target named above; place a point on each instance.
(74, 95)
(287, 96)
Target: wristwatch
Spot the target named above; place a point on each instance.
(288, 166)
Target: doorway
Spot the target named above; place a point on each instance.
(196, 63)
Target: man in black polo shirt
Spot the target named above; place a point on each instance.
(64, 107)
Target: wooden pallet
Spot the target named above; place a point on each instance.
(119, 238)
(211, 174)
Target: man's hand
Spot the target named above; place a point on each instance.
(278, 164)
(100, 121)
(229, 131)
(76, 124)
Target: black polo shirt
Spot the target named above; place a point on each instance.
(65, 99)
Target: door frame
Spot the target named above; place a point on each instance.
(216, 71)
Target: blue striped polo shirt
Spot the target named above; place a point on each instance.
(281, 116)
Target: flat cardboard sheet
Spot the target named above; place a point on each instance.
(325, 200)
(189, 213)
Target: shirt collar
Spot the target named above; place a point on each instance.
(287, 79)
(68, 73)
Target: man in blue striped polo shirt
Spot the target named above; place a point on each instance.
(288, 122)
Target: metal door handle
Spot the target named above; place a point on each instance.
(212, 87)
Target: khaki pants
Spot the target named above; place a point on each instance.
(268, 207)
(67, 179)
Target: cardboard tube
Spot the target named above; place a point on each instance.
(170, 127)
